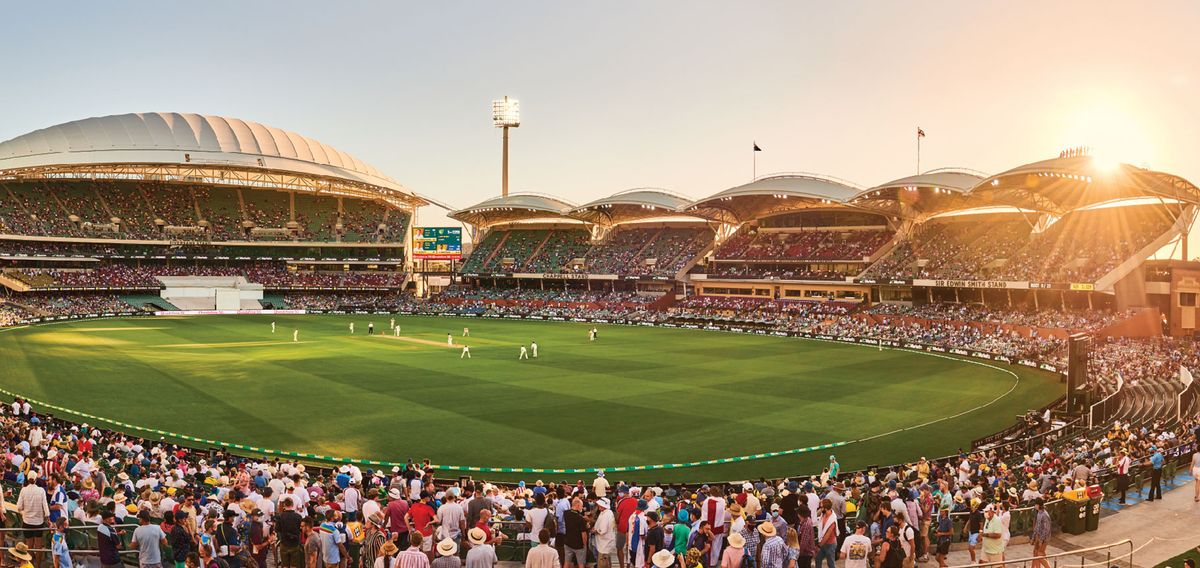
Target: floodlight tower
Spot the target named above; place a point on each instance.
(506, 113)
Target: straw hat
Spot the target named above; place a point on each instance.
(477, 536)
(447, 547)
(663, 558)
(735, 511)
(736, 540)
(394, 493)
(766, 529)
(21, 551)
(246, 505)
(389, 548)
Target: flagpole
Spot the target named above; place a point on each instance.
(754, 165)
(918, 151)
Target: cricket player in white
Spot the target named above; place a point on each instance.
(272, 327)
(591, 335)
(450, 339)
(392, 323)
(524, 353)
(351, 328)
(533, 347)
(396, 331)
(295, 335)
(466, 332)
(466, 352)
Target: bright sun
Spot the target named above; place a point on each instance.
(1113, 133)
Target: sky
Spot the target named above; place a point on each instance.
(616, 95)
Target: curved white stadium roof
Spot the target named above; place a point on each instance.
(165, 138)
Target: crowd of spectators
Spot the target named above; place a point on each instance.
(88, 212)
(1073, 320)
(826, 245)
(269, 274)
(1080, 247)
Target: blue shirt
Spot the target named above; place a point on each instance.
(330, 537)
(560, 509)
(1157, 460)
(59, 546)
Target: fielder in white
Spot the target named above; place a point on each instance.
(524, 353)
(466, 332)
(396, 331)
(295, 335)
(272, 327)
(450, 339)
(533, 347)
(466, 352)
(392, 323)
(351, 328)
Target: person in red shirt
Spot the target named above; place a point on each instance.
(396, 512)
(420, 515)
(626, 507)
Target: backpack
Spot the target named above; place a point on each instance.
(895, 555)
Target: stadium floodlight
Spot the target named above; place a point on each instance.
(506, 113)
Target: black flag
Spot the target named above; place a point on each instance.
(756, 148)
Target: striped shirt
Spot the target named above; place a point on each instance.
(411, 558)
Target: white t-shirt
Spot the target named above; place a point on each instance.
(856, 547)
(537, 521)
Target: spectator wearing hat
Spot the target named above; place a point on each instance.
(734, 553)
(387, 555)
(19, 553)
(1040, 535)
(605, 528)
(108, 540)
(396, 513)
(181, 541)
(373, 538)
(663, 559)
(543, 555)
(481, 554)
(447, 555)
(637, 536)
(259, 537)
(773, 551)
(420, 520)
(600, 485)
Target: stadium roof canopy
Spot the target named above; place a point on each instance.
(194, 149)
(1063, 184)
(920, 196)
(631, 205)
(515, 207)
(774, 194)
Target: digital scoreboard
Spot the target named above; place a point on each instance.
(437, 243)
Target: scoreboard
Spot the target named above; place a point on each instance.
(437, 243)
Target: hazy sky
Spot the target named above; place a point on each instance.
(617, 95)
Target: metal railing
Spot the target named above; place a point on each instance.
(1115, 554)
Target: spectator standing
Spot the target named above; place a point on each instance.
(148, 539)
(543, 555)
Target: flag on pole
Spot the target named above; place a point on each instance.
(920, 133)
(1185, 376)
(756, 148)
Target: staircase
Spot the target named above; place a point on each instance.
(533, 255)
(496, 250)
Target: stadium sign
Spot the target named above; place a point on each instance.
(1000, 284)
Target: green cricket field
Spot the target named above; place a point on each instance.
(636, 396)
